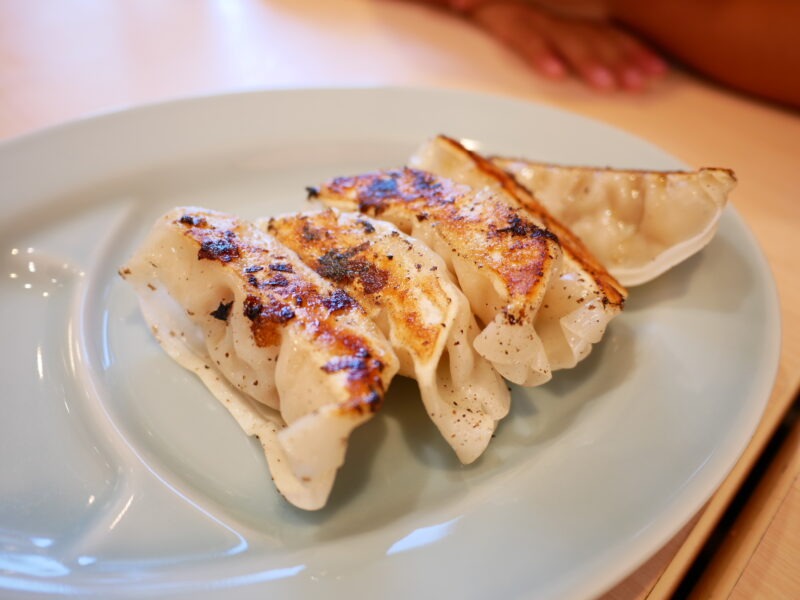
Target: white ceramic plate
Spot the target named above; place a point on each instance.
(121, 476)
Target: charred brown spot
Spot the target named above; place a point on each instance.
(310, 234)
(372, 278)
(383, 187)
(193, 221)
(284, 297)
(277, 281)
(252, 307)
(282, 267)
(368, 227)
(222, 311)
(338, 300)
(620, 301)
(568, 240)
(377, 193)
(273, 311)
(426, 181)
(353, 354)
(342, 268)
(522, 227)
(222, 247)
(335, 266)
(340, 363)
(370, 402)
(373, 401)
(266, 319)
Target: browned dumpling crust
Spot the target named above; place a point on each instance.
(293, 358)
(582, 299)
(480, 229)
(612, 290)
(282, 292)
(352, 254)
(406, 289)
(503, 262)
(639, 224)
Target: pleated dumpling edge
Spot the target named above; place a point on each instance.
(293, 359)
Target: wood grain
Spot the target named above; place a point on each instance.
(760, 556)
(64, 59)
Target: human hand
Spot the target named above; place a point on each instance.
(598, 52)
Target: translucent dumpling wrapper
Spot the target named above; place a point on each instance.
(405, 288)
(294, 359)
(583, 298)
(637, 223)
(503, 263)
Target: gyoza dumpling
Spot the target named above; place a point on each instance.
(637, 223)
(405, 288)
(579, 305)
(503, 263)
(294, 359)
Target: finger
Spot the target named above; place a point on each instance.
(632, 79)
(537, 52)
(516, 29)
(581, 56)
(607, 47)
(645, 58)
(653, 64)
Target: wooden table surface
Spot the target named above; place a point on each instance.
(62, 59)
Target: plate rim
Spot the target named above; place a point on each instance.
(655, 537)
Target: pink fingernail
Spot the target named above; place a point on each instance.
(633, 79)
(601, 78)
(655, 65)
(552, 67)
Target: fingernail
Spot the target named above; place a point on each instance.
(656, 66)
(552, 67)
(633, 79)
(602, 78)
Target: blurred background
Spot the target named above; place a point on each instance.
(65, 59)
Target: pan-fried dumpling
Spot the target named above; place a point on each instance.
(637, 223)
(294, 359)
(580, 304)
(503, 262)
(405, 288)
